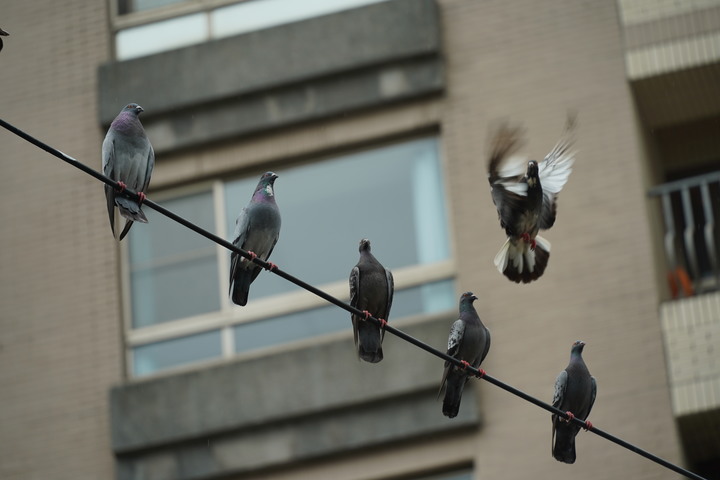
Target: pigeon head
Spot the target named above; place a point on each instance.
(532, 173)
(264, 187)
(467, 298)
(577, 347)
(364, 245)
(133, 108)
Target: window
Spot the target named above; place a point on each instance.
(205, 23)
(178, 281)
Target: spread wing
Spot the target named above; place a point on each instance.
(506, 173)
(554, 172)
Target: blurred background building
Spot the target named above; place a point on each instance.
(130, 362)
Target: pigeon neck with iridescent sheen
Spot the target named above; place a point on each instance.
(264, 191)
(128, 123)
(466, 304)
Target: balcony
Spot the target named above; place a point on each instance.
(690, 211)
(690, 321)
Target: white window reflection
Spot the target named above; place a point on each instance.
(246, 16)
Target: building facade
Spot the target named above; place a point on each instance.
(130, 361)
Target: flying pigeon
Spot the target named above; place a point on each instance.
(525, 194)
(127, 158)
(257, 229)
(371, 290)
(575, 393)
(469, 341)
(4, 34)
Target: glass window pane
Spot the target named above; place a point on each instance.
(173, 271)
(151, 358)
(161, 36)
(254, 15)
(429, 298)
(392, 195)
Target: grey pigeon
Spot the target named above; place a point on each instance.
(257, 229)
(371, 290)
(575, 392)
(525, 194)
(469, 340)
(128, 158)
(4, 34)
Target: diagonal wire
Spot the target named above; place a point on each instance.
(476, 372)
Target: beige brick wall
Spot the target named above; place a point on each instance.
(59, 328)
(505, 60)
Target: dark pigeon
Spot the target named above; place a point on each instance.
(3, 33)
(575, 392)
(525, 194)
(257, 229)
(371, 290)
(127, 157)
(469, 340)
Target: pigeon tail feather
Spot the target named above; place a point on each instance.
(453, 393)
(369, 341)
(240, 288)
(519, 263)
(564, 445)
(130, 210)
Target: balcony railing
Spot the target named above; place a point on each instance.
(691, 213)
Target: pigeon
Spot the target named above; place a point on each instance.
(257, 229)
(128, 158)
(371, 290)
(469, 341)
(575, 393)
(3, 33)
(525, 194)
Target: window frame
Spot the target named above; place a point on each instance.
(272, 306)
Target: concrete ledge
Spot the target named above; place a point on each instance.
(235, 397)
(287, 74)
(312, 100)
(371, 424)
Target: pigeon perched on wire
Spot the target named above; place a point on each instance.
(525, 194)
(257, 229)
(469, 341)
(3, 33)
(371, 290)
(128, 158)
(575, 392)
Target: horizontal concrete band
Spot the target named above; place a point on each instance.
(283, 390)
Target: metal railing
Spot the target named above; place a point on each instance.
(691, 213)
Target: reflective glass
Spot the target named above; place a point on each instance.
(151, 358)
(428, 298)
(173, 272)
(161, 36)
(392, 195)
(254, 15)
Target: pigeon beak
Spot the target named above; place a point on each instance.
(3, 33)
(139, 109)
